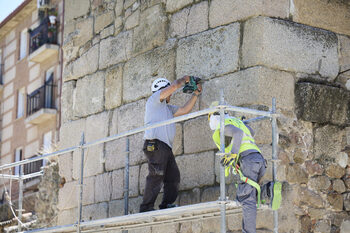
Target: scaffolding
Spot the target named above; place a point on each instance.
(220, 208)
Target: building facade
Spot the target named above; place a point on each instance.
(30, 59)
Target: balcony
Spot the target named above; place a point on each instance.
(43, 41)
(32, 167)
(40, 104)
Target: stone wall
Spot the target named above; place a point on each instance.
(254, 50)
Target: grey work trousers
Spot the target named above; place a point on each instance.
(162, 169)
(252, 166)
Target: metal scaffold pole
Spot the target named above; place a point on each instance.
(81, 183)
(274, 156)
(126, 180)
(20, 198)
(222, 168)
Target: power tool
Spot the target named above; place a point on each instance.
(191, 85)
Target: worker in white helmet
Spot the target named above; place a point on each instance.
(158, 144)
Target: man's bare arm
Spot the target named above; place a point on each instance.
(173, 87)
(190, 103)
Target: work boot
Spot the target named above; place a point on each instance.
(167, 206)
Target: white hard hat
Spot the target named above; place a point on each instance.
(159, 83)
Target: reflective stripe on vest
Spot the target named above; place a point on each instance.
(247, 143)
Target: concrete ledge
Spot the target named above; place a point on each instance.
(41, 116)
(45, 52)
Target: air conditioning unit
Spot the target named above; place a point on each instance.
(42, 4)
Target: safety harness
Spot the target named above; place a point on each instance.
(247, 143)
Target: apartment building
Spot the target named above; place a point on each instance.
(30, 58)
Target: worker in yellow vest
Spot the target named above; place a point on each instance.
(244, 157)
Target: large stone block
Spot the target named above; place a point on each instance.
(296, 174)
(143, 175)
(227, 11)
(344, 59)
(117, 184)
(134, 181)
(65, 162)
(76, 8)
(97, 126)
(152, 29)
(89, 95)
(175, 5)
(202, 54)
(67, 217)
(68, 90)
(198, 136)
(289, 46)
(103, 187)
(131, 116)
(190, 197)
(345, 226)
(178, 147)
(322, 104)
(178, 23)
(70, 133)
(89, 191)
(133, 20)
(114, 50)
(197, 18)
(310, 198)
(93, 161)
(319, 183)
(83, 32)
(237, 87)
(140, 72)
(330, 15)
(84, 65)
(67, 196)
(196, 170)
(328, 141)
(95, 211)
(103, 21)
(113, 90)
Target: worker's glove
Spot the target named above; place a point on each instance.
(227, 160)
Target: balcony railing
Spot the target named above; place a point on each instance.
(2, 71)
(32, 167)
(41, 98)
(45, 33)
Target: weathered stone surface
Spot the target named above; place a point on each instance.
(210, 194)
(114, 50)
(89, 95)
(85, 64)
(175, 5)
(67, 196)
(173, 228)
(346, 199)
(83, 32)
(65, 162)
(108, 31)
(133, 20)
(309, 198)
(345, 226)
(134, 181)
(201, 172)
(227, 11)
(189, 197)
(322, 104)
(93, 162)
(67, 101)
(143, 175)
(89, 191)
(201, 55)
(344, 59)
(328, 141)
(103, 187)
(342, 159)
(116, 208)
(306, 224)
(70, 133)
(338, 186)
(296, 174)
(152, 30)
(317, 213)
(141, 71)
(119, 6)
(113, 89)
(284, 42)
(198, 136)
(117, 184)
(319, 183)
(336, 201)
(335, 171)
(322, 227)
(94, 212)
(178, 147)
(67, 216)
(103, 20)
(136, 110)
(267, 84)
(75, 9)
(97, 126)
(330, 15)
(178, 23)
(197, 18)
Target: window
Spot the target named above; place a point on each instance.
(20, 102)
(23, 45)
(49, 88)
(18, 157)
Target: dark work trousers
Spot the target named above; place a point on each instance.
(252, 166)
(162, 168)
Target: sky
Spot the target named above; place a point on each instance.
(7, 6)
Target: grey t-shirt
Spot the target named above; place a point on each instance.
(157, 111)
